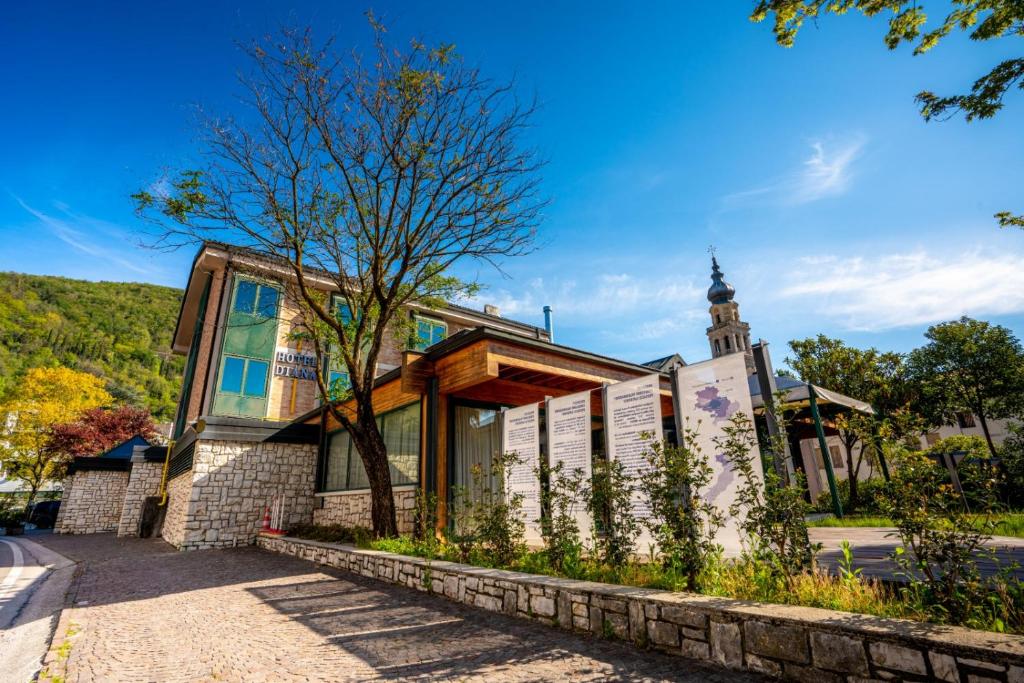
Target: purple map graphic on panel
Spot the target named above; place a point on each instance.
(719, 407)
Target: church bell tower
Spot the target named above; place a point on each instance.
(727, 334)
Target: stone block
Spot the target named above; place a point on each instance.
(898, 657)
(542, 606)
(695, 649)
(777, 641)
(763, 666)
(683, 616)
(808, 674)
(839, 653)
(727, 644)
(944, 667)
(663, 633)
(488, 602)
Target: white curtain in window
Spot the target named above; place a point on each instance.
(477, 440)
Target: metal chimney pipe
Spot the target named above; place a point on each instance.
(548, 324)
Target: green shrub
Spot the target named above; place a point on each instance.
(868, 491)
(610, 501)
(561, 496)
(1012, 456)
(489, 523)
(772, 514)
(682, 521)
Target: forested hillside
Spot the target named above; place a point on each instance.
(116, 330)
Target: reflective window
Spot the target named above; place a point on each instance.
(245, 296)
(267, 306)
(401, 432)
(429, 332)
(256, 378)
(231, 375)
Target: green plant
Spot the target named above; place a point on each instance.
(772, 515)
(490, 521)
(610, 502)
(941, 542)
(560, 498)
(682, 520)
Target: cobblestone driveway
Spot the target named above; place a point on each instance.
(144, 612)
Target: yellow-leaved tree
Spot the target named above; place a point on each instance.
(43, 397)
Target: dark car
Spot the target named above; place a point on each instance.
(43, 514)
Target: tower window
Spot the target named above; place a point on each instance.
(718, 318)
(728, 344)
(718, 348)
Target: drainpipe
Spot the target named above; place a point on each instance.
(163, 477)
(548, 324)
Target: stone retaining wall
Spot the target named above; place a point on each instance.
(221, 502)
(794, 643)
(353, 509)
(91, 502)
(143, 481)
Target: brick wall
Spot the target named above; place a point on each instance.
(793, 643)
(143, 481)
(353, 509)
(221, 502)
(91, 502)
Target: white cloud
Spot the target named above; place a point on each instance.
(79, 240)
(827, 172)
(915, 288)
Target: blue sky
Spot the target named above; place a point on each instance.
(834, 208)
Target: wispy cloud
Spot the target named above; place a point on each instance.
(75, 231)
(915, 288)
(826, 172)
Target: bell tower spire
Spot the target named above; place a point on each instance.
(727, 334)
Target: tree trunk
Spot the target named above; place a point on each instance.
(373, 452)
(988, 437)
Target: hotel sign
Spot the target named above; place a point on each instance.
(292, 363)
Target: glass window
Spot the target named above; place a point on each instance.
(231, 376)
(477, 440)
(267, 306)
(338, 379)
(429, 332)
(343, 312)
(401, 432)
(256, 378)
(245, 296)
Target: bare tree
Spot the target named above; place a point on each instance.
(379, 175)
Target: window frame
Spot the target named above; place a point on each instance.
(246, 361)
(326, 454)
(260, 285)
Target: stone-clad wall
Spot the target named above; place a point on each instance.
(143, 481)
(224, 497)
(794, 643)
(179, 499)
(91, 502)
(353, 509)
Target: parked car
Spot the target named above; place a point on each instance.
(43, 514)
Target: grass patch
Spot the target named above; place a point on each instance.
(1007, 524)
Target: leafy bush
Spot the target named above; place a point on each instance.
(490, 522)
(560, 499)
(977, 474)
(868, 491)
(331, 533)
(1012, 455)
(942, 544)
(610, 501)
(682, 521)
(772, 515)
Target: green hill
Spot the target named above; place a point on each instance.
(120, 331)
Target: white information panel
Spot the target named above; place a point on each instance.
(520, 434)
(568, 425)
(708, 395)
(632, 419)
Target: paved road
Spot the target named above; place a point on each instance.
(873, 548)
(145, 612)
(33, 583)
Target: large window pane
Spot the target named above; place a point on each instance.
(401, 432)
(267, 307)
(338, 450)
(477, 440)
(245, 296)
(256, 378)
(231, 376)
